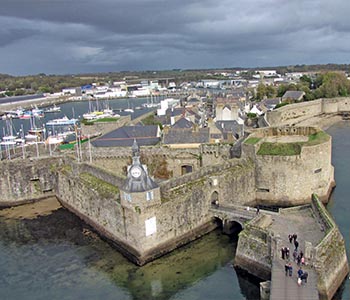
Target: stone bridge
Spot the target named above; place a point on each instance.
(234, 218)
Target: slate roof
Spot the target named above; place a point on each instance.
(183, 123)
(124, 137)
(295, 95)
(272, 101)
(186, 136)
(230, 127)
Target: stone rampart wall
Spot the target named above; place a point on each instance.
(27, 180)
(330, 259)
(116, 159)
(287, 180)
(254, 250)
(297, 112)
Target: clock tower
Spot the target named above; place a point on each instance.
(139, 189)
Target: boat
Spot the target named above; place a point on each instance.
(26, 115)
(62, 121)
(8, 140)
(53, 109)
(95, 115)
(54, 140)
(37, 112)
(129, 110)
(39, 131)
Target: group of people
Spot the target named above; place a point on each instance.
(298, 258)
(293, 237)
(302, 276)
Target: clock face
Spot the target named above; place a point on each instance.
(135, 172)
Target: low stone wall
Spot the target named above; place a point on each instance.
(253, 252)
(330, 259)
(297, 112)
(24, 181)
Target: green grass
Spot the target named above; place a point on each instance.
(104, 188)
(317, 138)
(91, 122)
(287, 149)
(252, 141)
(283, 149)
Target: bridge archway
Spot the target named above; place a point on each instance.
(229, 226)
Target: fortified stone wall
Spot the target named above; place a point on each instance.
(27, 180)
(182, 215)
(297, 112)
(162, 162)
(330, 259)
(287, 180)
(90, 201)
(254, 249)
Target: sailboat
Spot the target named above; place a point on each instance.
(130, 110)
(8, 138)
(150, 104)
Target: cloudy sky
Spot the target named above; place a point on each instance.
(75, 36)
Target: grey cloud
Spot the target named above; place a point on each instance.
(109, 35)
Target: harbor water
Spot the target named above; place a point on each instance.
(78, 108)
(56, 256)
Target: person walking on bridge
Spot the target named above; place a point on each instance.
(296, 245)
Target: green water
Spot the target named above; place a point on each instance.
(51, 258)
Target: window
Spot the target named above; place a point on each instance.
(151, 226)
(149, 195)
(127, 197)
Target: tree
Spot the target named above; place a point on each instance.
(260, 91)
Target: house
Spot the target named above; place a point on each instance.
(185, 134)
(227, 109)
(293, 96)
(225, 131)
(271, 103)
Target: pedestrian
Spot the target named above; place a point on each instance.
(298, 260)
(290, 237)
(295, 254)
(287, 252)
(296, 245)
(286, 268)
(290, 269)
(257, 210)
(304, 276)
(295, 236)
(303, 260)
(282, 252)
(301, 254)
(300, 273)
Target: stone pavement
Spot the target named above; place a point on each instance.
(308, 229)
(286, 288)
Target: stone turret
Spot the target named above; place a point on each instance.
(139, 189)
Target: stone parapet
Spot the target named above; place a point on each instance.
(330, 259)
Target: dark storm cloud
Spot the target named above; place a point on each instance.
(108, 35)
